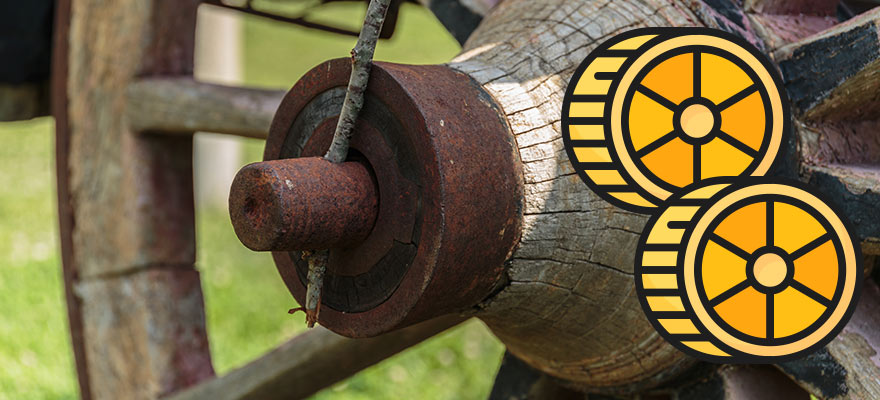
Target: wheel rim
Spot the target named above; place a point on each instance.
(698, 117)
(733, 83)
(811, 242)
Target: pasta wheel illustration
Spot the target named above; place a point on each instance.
(755, 271)
(653, 110)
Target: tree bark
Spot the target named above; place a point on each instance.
(311, 361)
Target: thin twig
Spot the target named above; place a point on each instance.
(361, 60)
(317, 266)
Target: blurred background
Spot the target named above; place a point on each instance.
(246, 301)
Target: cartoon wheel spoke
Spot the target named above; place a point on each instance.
(657, 98)
(768, 269)
(680, 109)
(732, 266)
(727, 294)
(732, 100)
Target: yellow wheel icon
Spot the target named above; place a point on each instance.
(761, 270)
(654, 110)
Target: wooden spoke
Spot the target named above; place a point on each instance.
(183, 105)
(833, 75)
(855, 189)
(126, 203)
(807, 7)
(314, 360)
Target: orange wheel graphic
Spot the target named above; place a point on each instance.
(654, 110)
(758, 271)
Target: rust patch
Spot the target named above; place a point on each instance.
(450, 193)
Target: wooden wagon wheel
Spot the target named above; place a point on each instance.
(562, 299)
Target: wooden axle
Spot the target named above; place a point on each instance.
(569, 308)
(303, 204)
(310, 362)
(566, 304)
(449, 195)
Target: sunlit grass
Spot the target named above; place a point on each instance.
(35, 357)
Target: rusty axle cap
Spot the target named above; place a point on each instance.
(448, 180)
(302, 204)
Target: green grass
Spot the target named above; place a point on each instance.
(246, 301)
(35, 357)
(277, 55)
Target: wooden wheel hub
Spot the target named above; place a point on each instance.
(420, 219)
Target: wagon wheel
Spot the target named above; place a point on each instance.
(562, 299)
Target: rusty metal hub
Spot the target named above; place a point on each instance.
(421, 217)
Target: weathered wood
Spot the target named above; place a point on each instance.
(780, 22)
(839, 84)
(62, 177)
(570, 308)
(855, 190)
(807, 7)
(131, 226)
(833, 78)
(183, 105)
(147, 337)
(848, 367)
(310, 362)
(779, 30)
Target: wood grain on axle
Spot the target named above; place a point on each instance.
(570, 308)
